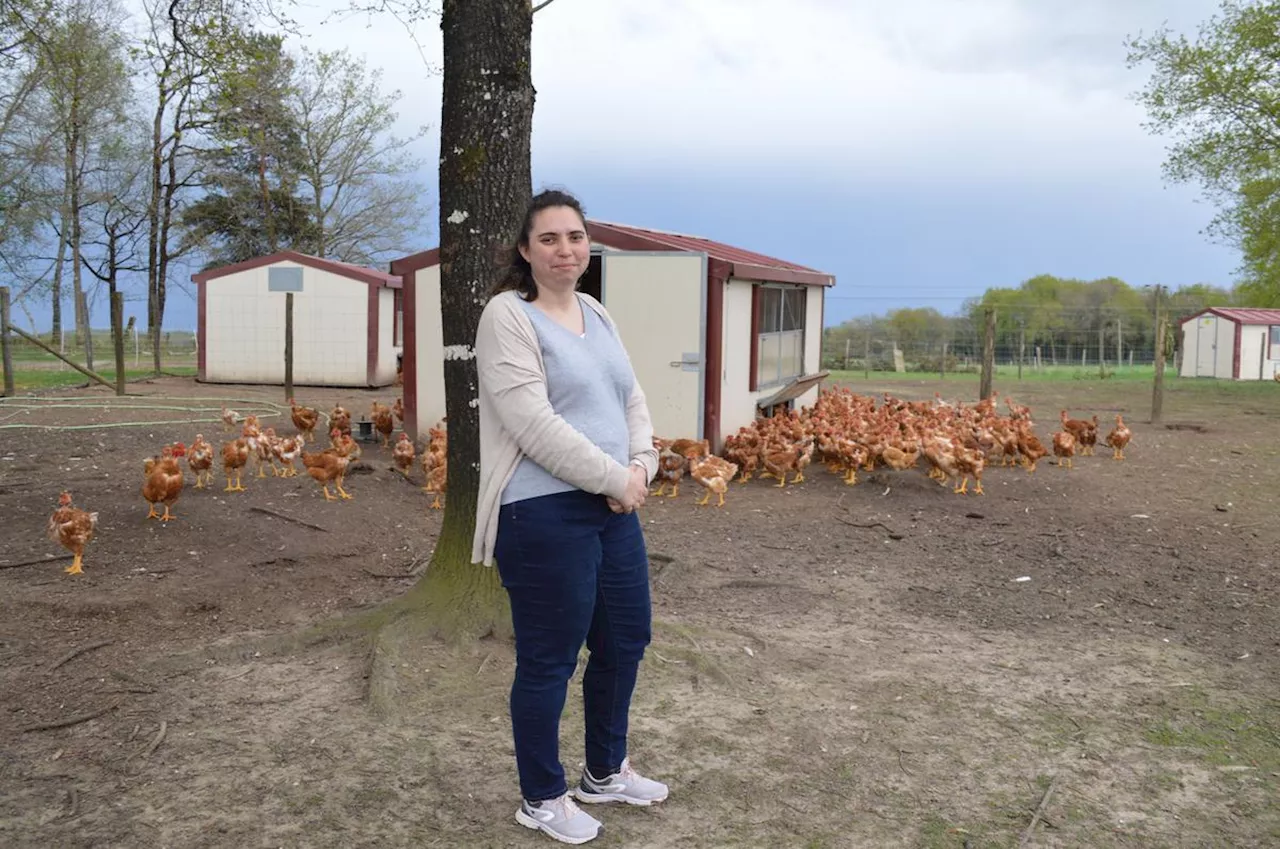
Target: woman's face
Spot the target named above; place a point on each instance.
(558, 249)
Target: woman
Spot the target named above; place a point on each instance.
(566, 457)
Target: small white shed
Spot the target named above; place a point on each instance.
(1230, 343)
(717, 334)
(347, 322)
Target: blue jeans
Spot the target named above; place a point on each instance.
(575, 571)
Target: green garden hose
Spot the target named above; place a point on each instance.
(256, 406)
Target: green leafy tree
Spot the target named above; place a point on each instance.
(252, 204)
(1217, 97)
(359, 178)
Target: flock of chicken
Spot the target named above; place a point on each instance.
(844, 431)
(163, 479)
(847, 432)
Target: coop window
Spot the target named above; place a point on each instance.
(1274, 353)
(779, 331)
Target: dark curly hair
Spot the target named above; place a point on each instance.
(517, 275)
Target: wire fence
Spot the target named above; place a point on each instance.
(1101, 344)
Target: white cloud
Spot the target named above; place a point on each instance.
(985, 86)
(934, 90)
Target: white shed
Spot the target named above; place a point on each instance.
(347, 322)
(717, 334)
(1230, 343)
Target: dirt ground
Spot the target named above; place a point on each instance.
(832, 666)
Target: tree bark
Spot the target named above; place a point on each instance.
(485, 186)
(155, 282)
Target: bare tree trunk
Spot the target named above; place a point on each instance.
(155, 233)
(59, 263)
(485, 185)
(77, 236)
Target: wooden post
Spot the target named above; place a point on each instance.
(5, 350)
(35, 340)
(288, 346)
(88, 331)
(1102, 350)
(1022, 347)
(1037, 358)
(942, 362)
(1157, 389)
(117, 337)
(866, 356)
(988, 356)
(1119, 342)
(847, 340)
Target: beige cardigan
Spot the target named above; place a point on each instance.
(517, 420)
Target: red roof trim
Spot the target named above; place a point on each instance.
(743, 264)
(343, 269)
(1240, 315)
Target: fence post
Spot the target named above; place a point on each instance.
(866, 356)
(88, 331)
(988, 355)
(1022, 347)
(288, 347)
(847, 340)
(1157, 389)
(5, 350)
(942, 362)
(1102, 351)
(117, 337)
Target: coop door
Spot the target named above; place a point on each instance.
(658, 301)
(1206, 351)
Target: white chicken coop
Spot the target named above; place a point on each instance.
(1229, 343)
(347, 322)
(716, 334)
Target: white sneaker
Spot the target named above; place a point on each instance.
(560, 818)
(625, 785)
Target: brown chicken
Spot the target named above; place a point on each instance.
(1064, 448)
(305, 420)
(200, 461)
(1031, 448)
(163, 481)
(340, 418)
(402, 455)
(328, 467)
(671, 469)
(284, 450)
(1089, 439)
(438, 483)
(72, 528)
(1119, 438)
(1078, 428)
(383, 422)
(235, 455)
(713, 474)
(969, 463)
(398, 410)
(434, 457)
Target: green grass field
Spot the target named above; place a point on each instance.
(36, 369)
(34, 380)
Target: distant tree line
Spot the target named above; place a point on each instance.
(137, 147)
(1067, 320)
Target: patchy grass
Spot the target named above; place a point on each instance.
(1240, 738)
(37, 379)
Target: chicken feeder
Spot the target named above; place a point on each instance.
(365, 431)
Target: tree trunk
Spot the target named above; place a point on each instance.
(155, 281)
(83, 325)
(485, 186)
(58, 264)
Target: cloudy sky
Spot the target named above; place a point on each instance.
(921, 151)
